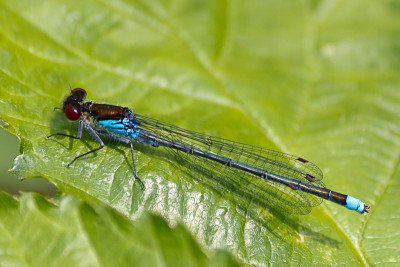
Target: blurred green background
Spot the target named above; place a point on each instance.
(9, 182)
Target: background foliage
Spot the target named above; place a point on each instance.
(315, 78)
(78, 235)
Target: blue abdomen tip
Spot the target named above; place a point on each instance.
(353, 203)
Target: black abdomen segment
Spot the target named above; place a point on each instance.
(292, 183)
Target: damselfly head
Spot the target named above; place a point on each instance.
(73, 104)
(78, 94)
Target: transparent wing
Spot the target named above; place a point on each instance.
(242, 184)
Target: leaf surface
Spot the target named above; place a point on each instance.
(316, 79)
(37, 232)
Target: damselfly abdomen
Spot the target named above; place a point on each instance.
(266, 177)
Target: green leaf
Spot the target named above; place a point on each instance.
(316, 79)
(36, 232)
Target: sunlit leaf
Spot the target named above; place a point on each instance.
(316, 79)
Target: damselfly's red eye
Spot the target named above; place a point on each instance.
(72, 112)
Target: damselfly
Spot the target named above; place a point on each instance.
(266, 177)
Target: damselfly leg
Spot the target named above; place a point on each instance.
(95, 134)
(128, 142)
(79, 135)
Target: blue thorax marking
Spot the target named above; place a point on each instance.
(122, 127)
